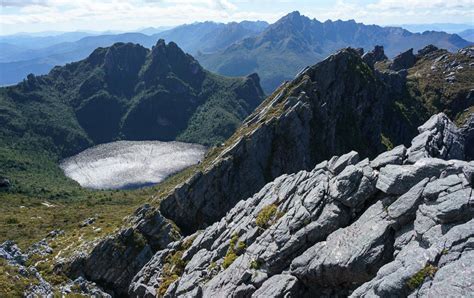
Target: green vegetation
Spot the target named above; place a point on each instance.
(255, 264)
(45, 266)
(386, 142)
(116, 93)
(236, 248)
(438, 95)
(173, 268)
(12, 283)
(212, 265)
(416, 280)
(462, 117)
(427, 92)
(268, 216)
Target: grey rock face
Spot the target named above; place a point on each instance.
(438, 137)
(297, 128)
(468, 133)
(304, 213)
(349, 255)
(398, 179)
(384, 227)
(377, 54)
(114, 261)
(282, 285)
(85, 287)
(12, 253)
(394, 157)
(403, 61)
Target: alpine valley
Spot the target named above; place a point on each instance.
(353, 177)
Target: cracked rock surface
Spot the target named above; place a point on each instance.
(401, 224)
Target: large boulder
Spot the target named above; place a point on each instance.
(439, 137)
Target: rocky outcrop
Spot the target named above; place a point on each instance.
(84, 287)
(439, 136)
(4, 183)
(338, 105)
(426, 50)
(27, 269)
(404, 60)
(113, 262)
(468, 134)
(399, 224)
(12, 253)
(376, 55)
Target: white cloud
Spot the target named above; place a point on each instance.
(22, 3)
(31, 15)
(398, 12)
(116, 14)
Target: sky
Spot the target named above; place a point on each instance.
(127, 15)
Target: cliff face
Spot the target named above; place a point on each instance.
(338, 105)
(395, 225)
(329, 109)
(347, 103)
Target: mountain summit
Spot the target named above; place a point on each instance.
(296, 41)
(122, 92)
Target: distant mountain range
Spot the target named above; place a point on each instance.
(19, 59)
(445, 27)
(296, 41)
(233, 49)
(467, 34)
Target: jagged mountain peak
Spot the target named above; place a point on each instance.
(146, 95)
(169, 58)
(297, 41)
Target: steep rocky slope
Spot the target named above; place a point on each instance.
(396, 225)
(339, 105)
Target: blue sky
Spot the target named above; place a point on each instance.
(68, 15)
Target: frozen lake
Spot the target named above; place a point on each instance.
(130, 164)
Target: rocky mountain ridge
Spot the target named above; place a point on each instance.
(338, 105)
(330, 108)
(396, 225)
